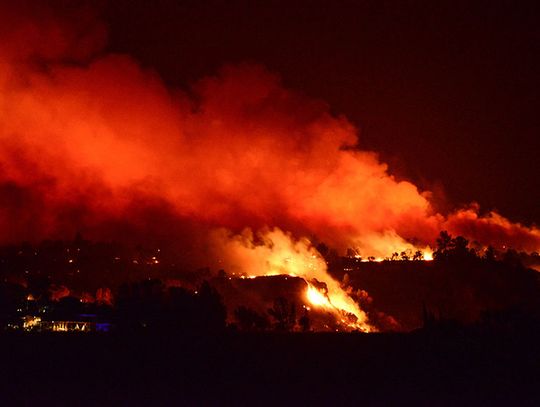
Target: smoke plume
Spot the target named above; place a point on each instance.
(92, 142)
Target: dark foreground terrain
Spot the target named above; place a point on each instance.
(421, 368)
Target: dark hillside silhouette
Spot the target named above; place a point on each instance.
(460, 284)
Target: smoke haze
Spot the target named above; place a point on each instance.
(94, 143)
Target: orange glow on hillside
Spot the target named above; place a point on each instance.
(235, 171)
(107, 145)
(274, 252)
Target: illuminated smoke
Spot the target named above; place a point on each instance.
(100, 145)
(273, 252)
(493, 229)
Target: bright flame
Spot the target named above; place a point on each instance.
(31, 322)
(274, 252)
(100, 137)
(316, 298)
(83, 144)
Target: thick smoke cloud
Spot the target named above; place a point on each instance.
(94, 143)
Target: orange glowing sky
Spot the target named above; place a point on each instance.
(94, 142)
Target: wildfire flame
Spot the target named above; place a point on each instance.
(316, 298)
(274, 252)
(83, 145)
(95, 143)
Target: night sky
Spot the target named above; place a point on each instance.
(446, 92)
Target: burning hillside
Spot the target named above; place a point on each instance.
(277, 254)
(237, 171)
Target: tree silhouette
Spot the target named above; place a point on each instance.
(305, 321)
(418, 255)
(149, 305)
(444, 242)
(460, 246)
(453, 249)
(284, 314)
(250, 320)
(210, 308)
(489, 254)
(511, 258)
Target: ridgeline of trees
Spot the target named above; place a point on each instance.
(461, 284)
